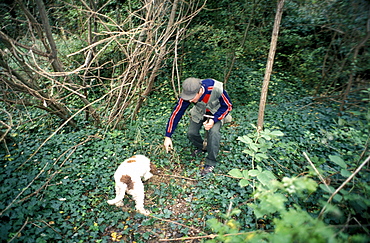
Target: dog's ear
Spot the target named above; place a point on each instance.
(153, 169)
(128, 181)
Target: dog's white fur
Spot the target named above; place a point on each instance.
(128, 179)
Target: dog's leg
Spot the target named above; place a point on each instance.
(138, 196)
(120, 194)
(147, 175)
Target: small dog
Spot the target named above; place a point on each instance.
(128, 179)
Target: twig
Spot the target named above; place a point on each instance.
(179, 177)
(64, 124)
(318, 173)
(73, 148)
(123, 208)
(281, 165)
(19, 231)
(343, 184)
(228, 176)
(190, 238)
(52, 228)
(8, 127)
(206, 236)
(306, 105)
(174, 222)
(364, 227)
(24, 189)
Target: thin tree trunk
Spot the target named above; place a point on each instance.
(354, 61)
(55, 62)
(242, 44)
(270, 62)
(53, 47)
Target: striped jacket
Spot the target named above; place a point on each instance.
(182, 105)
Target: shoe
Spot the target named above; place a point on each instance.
(206, 170)
(196, 152)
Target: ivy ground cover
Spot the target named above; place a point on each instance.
(57, 190)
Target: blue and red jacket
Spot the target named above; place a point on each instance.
(182, 105)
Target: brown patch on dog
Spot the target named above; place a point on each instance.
(132, 159)
(153, 169)
(127, 180)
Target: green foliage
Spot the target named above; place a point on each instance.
(58, 192)
(296, 225)
(292, 224)
(259, 143)
(73, 202)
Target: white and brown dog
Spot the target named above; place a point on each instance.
(128, 179)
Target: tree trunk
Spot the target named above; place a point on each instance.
(270, 62)
(55, 62)
(242, 44)
(354, 61)
(53, 47)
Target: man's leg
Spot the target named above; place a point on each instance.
(194, 135)
(213, 144)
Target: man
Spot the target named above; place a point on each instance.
(210, 99)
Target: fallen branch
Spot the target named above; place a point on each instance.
(24, 189)
(178, 177)
(174, 222)
(229, 176)
(19, 231)
(64, 124)
(317, 172)
(7, 126)
(212, 236)
(47, 224)
(73, 148)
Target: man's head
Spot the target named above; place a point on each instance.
(190, 88)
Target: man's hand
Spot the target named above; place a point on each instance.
(168, 144)
(209, 124)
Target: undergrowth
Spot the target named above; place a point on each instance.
(264, 188)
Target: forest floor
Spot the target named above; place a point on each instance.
(167, 229)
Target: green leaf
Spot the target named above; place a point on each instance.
(277, 133)
(345, 173)
(266, 136)
(265, 177)
(328, 189)
(245, 174)
(338, 160)
(253, 147)
(235, 173)
(269, 174)
(235, 211)
(261, 156)
(338, 197)
(249, 152)
(259, 213)
(243, 183)
(245, 139)
(253, 172)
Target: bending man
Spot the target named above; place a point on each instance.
(209, 98)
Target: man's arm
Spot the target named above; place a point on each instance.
(174, 119)
(225, 108)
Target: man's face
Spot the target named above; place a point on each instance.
(197, 96)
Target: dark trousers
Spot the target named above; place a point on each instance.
(213, 142)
